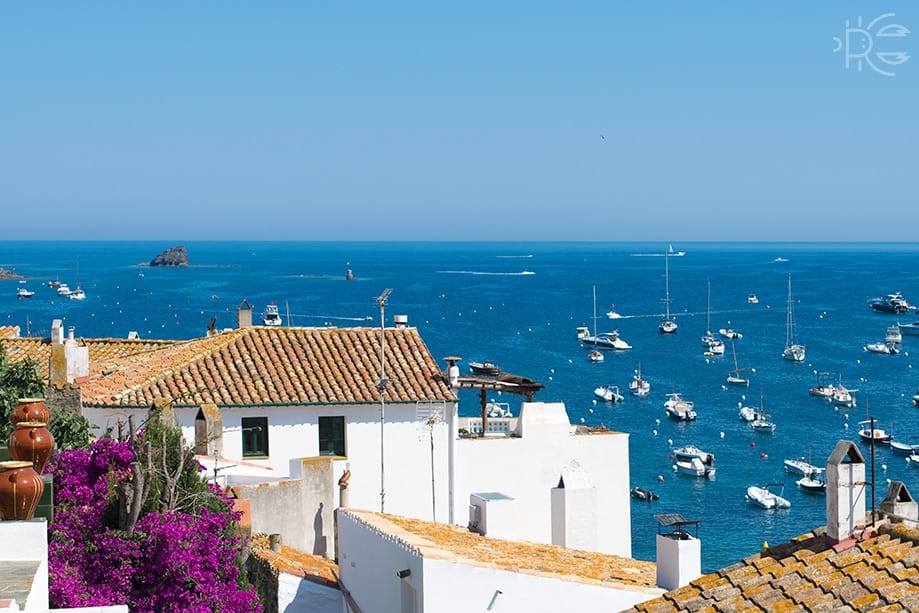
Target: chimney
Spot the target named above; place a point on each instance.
(57, 332)
(845, 491)
(574, 512)
(679, 554)
(899, 502)
(452, 375)
(244, 315)
(400, 321)
(492, 514)
(69, 360)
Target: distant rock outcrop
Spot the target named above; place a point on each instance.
(9, 275)
(177, 256)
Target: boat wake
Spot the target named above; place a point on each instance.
(515, 257)
(483, 272)
(330, 317)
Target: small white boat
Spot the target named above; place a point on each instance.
(910, 329)
(800, 466)
(812, 484)
(752, 299)
(612, 314)
(747, 414)
(608, 393)
(842, 396)
(487, 367)
(763, 424)
(695, 467)
(604, 340)
(893, 337)
(77, 294)
(916, 398)
(498, 409)
(271, 317)
(900, 448)
(690, 460)
(822, 390)
(639, 386)
(885, 348)
(63, 290)
(678, 408)
(24, 293)
(879, 435)
(769, 496)
(730, 333)
(595, 356)
(715, 348)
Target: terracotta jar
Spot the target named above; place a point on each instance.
(20, 490)
(31, 441)
(30, 409)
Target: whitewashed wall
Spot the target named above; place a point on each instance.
(527, 468)
(297, 595)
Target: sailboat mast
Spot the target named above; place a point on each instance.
(667, 282)
(708, 308)
(789, 324)
(595, 311)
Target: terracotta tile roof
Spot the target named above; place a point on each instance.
(878, 573)
(295, 562)
(437, 540)
(100, 349)
(257, 365)
(9, 332)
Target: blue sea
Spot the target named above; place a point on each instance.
(518, 304)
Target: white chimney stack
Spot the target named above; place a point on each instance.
(400, 321)
(679, 554)
(845, 491)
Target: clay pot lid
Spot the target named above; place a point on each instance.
(30, 400)
(11, 464)
(31, 424)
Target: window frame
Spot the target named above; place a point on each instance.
(254, 432)
(324, 422)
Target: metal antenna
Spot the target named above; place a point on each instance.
(381, 386)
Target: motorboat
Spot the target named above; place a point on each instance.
(595, 355)
(800, 466)
(893, 336)
(639, 386)
(690, 460)
(715, 348)
(668, 325)
(612, 314)
(77, 294)
(842, 396)
(770, 496)
(271, 317)
(730, 333)
(498, 409)
(822, 390)
(63, 289)
(752, 299)
(900, 448)
(891, 303)
(909, 329)
(885, 348)
(604, 340)
(748, 414)
(642, 493)
(608, 393)
(678, 408)
(794, 351)
(695, 467)
(24, 293)
(812, 484)
(487, 368)
(880, 436)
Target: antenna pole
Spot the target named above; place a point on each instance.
(381, 386)
(872, 466)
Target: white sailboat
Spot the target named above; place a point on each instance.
(606, 340)
(668, 326)
(793, 351)
(713, 346)
(734, 377)
(639, 386)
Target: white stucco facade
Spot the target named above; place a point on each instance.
(383, 572)
(299, 595)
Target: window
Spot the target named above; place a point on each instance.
(255, 436)
(332, 436)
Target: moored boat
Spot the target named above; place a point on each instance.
(891, 303)
(901, 448)
(730, 333)
(884, 348)
(271, 317)
(812, 484)
(643, 493)
(639, 386)
(910, 329)
(690, 460)
(486, 367)
(752, 299)
(879, 435)
(800, 466)
(668, 325)
(678, 408)
(24, 293)
(595, 356)
(794, 351)
(770, 496)
(893, 336)
(608, 393)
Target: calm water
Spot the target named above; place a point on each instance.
(518, 304)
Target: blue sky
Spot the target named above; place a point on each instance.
(673, 121)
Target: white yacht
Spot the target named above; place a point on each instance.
(271, 317)
(678, 408)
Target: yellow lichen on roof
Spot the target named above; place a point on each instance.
(295, 562)
(9, 332)
(100, 349)
(433, 539)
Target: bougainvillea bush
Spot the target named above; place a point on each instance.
(170, 561)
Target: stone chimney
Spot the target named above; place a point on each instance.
(69, 359)
(845, 492)
(244, 315)
(679, 553)
(900, 503)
